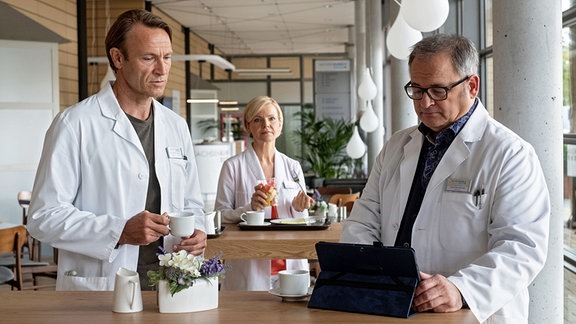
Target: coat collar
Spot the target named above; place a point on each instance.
(110, 108)
(254, 163)
(457, 153)
(459, 150)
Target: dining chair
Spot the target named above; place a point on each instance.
(11, 242)
(328, 192)
(342, 199)
(31, 244)
(33, 264)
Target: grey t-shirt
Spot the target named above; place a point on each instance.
(147, 259)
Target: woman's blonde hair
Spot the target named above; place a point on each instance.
(255, 105)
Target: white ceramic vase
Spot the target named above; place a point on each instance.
(203, 295)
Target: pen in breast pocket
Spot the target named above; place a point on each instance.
(478, 195)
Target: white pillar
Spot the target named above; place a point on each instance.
(360, 41)
(351, 53)
(375, 46)
(528, 99)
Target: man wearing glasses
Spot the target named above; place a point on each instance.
(465, 192)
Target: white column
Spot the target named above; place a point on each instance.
(351, 53)
(528, 99)
(375, 46)
(360, 41)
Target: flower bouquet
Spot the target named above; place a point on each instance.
(186, 283)
(319, 207)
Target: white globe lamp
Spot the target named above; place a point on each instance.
(425, 15)
(401, 38)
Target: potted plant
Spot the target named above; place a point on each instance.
(324, 144)
(186, 283)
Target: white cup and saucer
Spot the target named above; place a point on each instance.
(253, 218)
(293, 285)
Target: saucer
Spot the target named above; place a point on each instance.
(245, 224)
(276, 292)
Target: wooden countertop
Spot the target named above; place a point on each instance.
(234, 307)
(236, 243)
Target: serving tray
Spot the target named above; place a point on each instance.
(284, 227)
(217, 233)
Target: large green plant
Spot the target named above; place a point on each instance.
(324, 144)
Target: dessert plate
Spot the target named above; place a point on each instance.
(289, 221)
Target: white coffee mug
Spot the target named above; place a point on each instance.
(182, 223)
(332, 209)
(253, 217)
(127, 293)
(294, 282)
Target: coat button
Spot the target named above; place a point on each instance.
(395, 227)
(140, 176)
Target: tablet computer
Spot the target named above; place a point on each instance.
(362, 278)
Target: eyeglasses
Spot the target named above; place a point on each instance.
(435, 93)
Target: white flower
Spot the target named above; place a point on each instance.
(165, 259)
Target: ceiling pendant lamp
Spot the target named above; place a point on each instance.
(355, 147)
(367, 89)
(369, 120)
(425, 15)
(401, 37)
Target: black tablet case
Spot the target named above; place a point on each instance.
(370, 279)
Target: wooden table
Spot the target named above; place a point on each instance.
(236, 243)
(234, 307)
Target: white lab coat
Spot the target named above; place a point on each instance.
(492, 250)
(93, 177)
(238, 177)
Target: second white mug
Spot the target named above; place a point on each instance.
(294, 282)
(253, 217)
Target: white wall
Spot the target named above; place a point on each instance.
(29, 100)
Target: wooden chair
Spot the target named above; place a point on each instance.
(31, 244)
(33, 264)
(344, 200)
(328, 192)
(11, 242)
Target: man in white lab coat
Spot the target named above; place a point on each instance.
(113, 164)
(466, 193)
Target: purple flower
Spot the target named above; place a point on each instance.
(211, 266)
(316, 196)
(162, 250)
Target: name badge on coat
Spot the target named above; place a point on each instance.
(458, 185)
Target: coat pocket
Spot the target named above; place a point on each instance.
(70, 282)
(178, 180)
(462, 224)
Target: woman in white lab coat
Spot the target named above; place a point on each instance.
(92, 179)
(236, 190)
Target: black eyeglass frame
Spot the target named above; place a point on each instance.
(425, 90)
